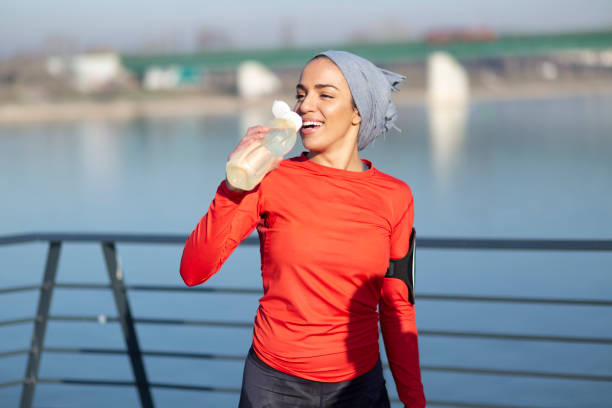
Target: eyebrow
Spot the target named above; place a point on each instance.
(317, 86)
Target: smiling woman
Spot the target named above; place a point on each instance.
(329, 115)
(329, 223)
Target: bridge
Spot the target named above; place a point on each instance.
(380, 53)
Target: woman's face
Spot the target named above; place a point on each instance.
(324, 101)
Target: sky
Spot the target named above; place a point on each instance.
(27, 25)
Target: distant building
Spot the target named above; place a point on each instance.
(88, 72)
(255, 80)
(160, 77)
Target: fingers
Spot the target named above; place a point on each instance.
(258, 129)
(253, 133)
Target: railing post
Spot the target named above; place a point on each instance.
(127, 323)
(40, 325)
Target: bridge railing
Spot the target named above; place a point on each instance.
(133, 350)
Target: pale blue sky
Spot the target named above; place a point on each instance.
(126, 24)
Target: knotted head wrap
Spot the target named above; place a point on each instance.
(371, 89)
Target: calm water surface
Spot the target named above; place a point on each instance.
(514, 169)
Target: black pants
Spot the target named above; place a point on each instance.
(265, 387)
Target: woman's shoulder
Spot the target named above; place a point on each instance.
(394, 184)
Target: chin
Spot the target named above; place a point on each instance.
(312, 145)
(316, 142)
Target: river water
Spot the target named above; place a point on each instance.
(537, 168)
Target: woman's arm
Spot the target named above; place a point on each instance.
(232, 216)
(397, 320)
(398, 325)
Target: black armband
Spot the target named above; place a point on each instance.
(404, 268)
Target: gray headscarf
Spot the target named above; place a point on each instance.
(371, 89)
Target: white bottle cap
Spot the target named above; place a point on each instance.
(295, 118)
(281, 110)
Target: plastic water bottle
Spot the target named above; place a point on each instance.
(250, 164)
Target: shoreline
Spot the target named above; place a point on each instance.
(190, 105)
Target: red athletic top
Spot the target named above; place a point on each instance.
(326, 236)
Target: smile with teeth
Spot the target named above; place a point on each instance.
(311, 124)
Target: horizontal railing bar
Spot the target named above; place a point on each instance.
(96, 319)
(523, 337)
(78, 381)
(462, 404)
(463, 370)
(94, 237)
(11, 383)
(421, 296)
(518, 373)
(231, 390)
(253, 291)
(508, 299)
(424, 296)
(85, 237)
(516, 244)
(207, 356)
(438, 243)
(423, 332)
(17, 321)
(69, 285)
(18, 239)
(83, 350)
(161, 288)
(14, 352)
(19, 289)
(173, 288)
(185, 322)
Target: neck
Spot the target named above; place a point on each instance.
(343, 160)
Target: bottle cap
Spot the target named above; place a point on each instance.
(281, 110)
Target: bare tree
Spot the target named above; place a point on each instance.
(211, 39)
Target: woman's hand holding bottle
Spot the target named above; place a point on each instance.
(262, 149)
(254, 134)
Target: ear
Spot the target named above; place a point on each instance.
(356, 117)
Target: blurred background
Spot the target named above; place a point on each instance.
(117, 117)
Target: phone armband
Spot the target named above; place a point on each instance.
(404, 268)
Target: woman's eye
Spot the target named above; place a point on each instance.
(299, 96)
(326, 96)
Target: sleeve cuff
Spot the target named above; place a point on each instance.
(235, 196)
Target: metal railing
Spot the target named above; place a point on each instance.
(133, 350)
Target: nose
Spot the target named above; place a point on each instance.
(304, 105)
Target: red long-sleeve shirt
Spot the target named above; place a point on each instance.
(326, 236)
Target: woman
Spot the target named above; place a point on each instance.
(328, 224)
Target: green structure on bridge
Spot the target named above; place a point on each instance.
(382, 53)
